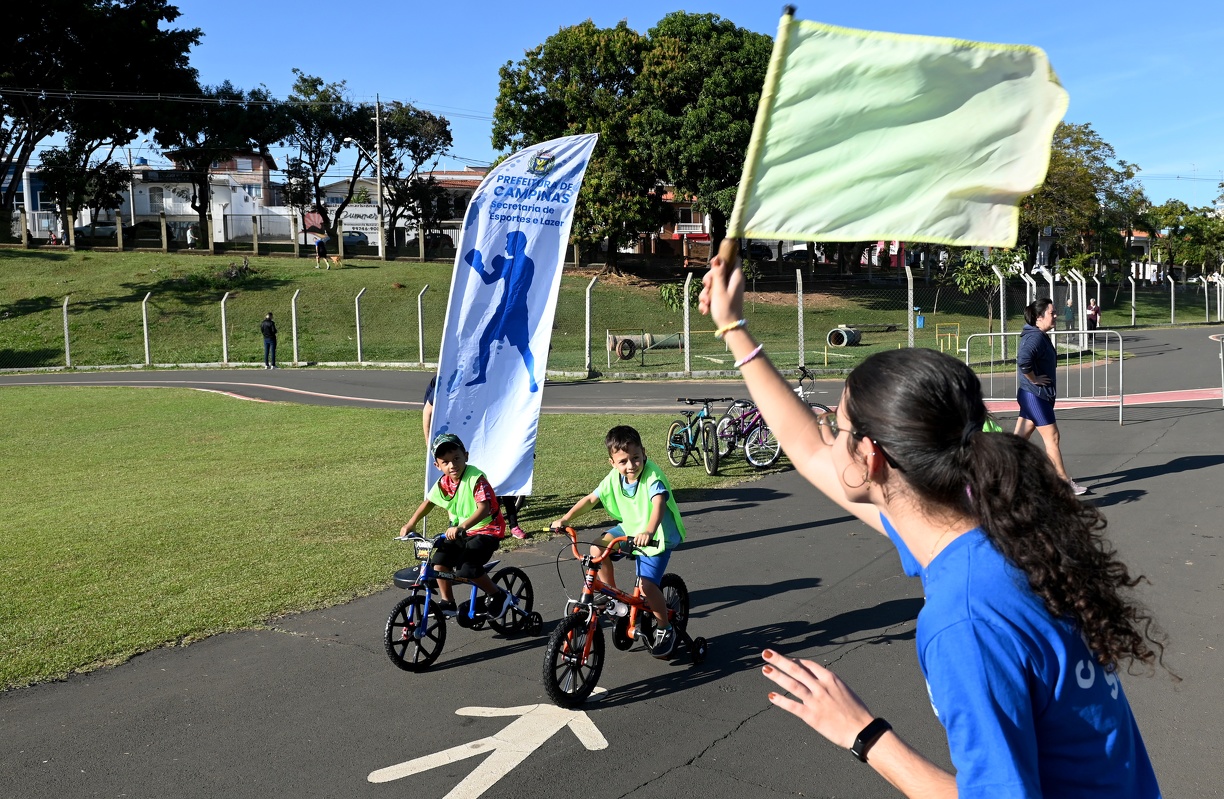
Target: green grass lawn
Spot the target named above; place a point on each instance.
(140, 517)
(106, 291)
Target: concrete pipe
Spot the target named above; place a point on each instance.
(844, 337)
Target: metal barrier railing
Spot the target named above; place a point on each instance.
(1219, 339)
(1089, 370)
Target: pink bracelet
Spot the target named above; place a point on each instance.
(749, 356)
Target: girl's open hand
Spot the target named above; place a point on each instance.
(821, 699)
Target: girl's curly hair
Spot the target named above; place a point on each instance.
(926, 410)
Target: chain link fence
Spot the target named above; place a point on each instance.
(393, 314)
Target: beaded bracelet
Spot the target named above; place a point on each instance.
(749, 356)
(725, 329)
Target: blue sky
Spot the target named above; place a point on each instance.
(1147, 76)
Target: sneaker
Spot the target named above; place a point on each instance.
(517, 532)
(1077, 489)
(444, 606)
(500, 607)
(664, 642)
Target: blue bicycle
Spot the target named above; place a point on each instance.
(416, 629)
(695, 431)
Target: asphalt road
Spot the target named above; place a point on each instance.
(310, 706)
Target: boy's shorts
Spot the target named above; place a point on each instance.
(466, 556)
(650, 567)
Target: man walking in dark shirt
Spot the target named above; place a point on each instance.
(268, 328)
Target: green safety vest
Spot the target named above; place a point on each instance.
(463, 504)
(634, 512)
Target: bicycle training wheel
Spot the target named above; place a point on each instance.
(761, 447)
(676, 595)
(709, 448)
(405, 649)
(515, 581)
(677, 443)
(573, 660)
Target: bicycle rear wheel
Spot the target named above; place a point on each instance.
(677, 443)
(571, 672)
(761, 447)
(514, 580)
(818, 407)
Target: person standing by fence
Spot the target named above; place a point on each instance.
(268, 328)
(1037, 384)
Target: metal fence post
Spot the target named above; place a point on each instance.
(67, 345)
(224, 332)
(1172, 299)
(1131, 278)
(909, 312)
(688, 366)
(357, 302)
(1002, 310)
(144, 313)
(421, 327)
(799, 304)
(293, 314)
(590, 287)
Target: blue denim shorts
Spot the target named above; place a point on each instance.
(651, 567)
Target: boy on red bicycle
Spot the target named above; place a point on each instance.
(638, 495)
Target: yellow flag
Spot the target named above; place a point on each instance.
(869, 136)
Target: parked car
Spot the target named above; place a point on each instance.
(354, 238)
(796, 256)
(102, 230)
(759, 252)
(433, 241)
(145, 229)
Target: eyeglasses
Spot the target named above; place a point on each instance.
(830, 429)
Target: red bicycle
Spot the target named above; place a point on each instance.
(574, 657)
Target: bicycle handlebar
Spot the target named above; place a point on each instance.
(703, 400)
(573, 536)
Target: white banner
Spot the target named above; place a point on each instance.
(502, 300)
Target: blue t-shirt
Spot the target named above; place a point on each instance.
(1027, 709)
(1037, 356)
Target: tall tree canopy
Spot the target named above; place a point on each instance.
(73, 66)
(1086, 193)
(700, 85)
(582, 79)
(225, 122)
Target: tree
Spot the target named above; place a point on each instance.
(76, 179)
(412, 142)
(1084, 188)
(699, 86)
(224, 122)
(582, 79)
(68, 59)
(972, 274)
(320, 117)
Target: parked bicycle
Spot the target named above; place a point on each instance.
(416, 629)
(695, 432)
(743, 426)
(574, 658)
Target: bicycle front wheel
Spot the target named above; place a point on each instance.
(761, 447)
(677, 443)
(413, 642)
(709, 448)
(727, 433)
(573, 660)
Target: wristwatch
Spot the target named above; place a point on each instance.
(867, 738)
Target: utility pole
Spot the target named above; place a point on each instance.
(382, 231)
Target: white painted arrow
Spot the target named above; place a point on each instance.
(535, 725)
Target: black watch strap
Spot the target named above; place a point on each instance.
(867, 738)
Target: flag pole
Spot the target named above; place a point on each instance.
(728, 250)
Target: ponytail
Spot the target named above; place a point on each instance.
(1036, 309)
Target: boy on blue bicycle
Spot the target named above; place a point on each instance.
(638, 495)
(476, 524)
